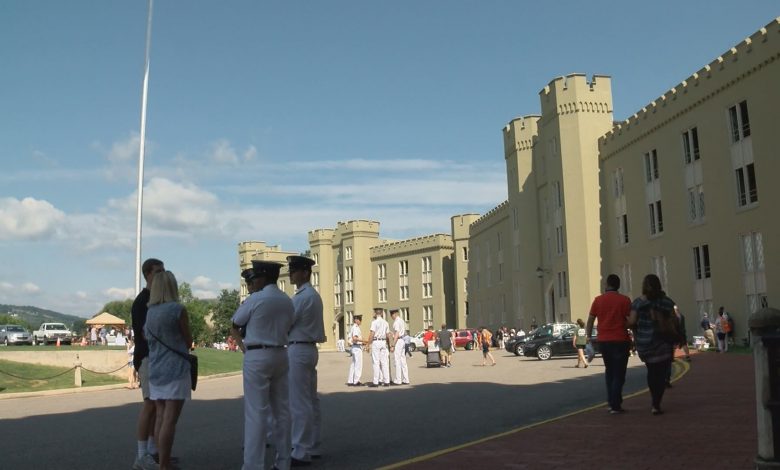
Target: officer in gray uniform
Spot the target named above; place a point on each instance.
(267, 315)
(307, 330)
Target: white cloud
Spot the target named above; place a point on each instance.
(201, 282)
(204, 294)
(30, 288)
(119, 293)
(81, 295)
(125, 150)
(223, 152)
(250, 153)
(28, 218)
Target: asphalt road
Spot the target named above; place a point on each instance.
(362, 427)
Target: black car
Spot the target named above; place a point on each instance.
(514, 344)
(554, 339)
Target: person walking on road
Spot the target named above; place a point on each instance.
(612, 311)
(446, 341)
(267, 315)
(487, 337)
(147, 449)
(356, 365)
(655, 350)
(307, 330)
(377, 340)
(398, 331)
(579, 341)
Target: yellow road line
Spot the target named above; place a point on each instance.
(679, 369)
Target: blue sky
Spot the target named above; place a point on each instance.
(269, 119)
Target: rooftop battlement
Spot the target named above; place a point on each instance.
(321, 235)
(710, 77)
(520, 134)
(423, 243)
(460, 225)
(575, 94)
(353, 226)
(491, 214)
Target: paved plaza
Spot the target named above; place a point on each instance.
(363, 427)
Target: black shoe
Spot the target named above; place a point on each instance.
(373, 385)
(393, 384)
(668, 385)
(387, 384)
(298, 463)
(358, 384)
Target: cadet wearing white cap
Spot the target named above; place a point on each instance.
(307, 330)
(356, 366)
(398, 331)
(377, 339)
(267, 315)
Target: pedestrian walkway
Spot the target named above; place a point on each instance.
(709, 422)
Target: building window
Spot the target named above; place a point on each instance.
(691, 145)
(381, 275)
(404, 311)
(427, 284)
(316, 258)
(747, 190)
(696, 203)
(427, 316)
(403, 279)
(739, 121)
(625, 278)
(337, 290)
(465, 285)
(755, 280)
(465, 253)
(651, 166)
(348, 253)
(560, 244)
(622, 222)
(281, 285)
(701, 262)
(563, 285)
(337, 299)
(617, 183)
(350, 316)
(500, 272)
(557, 194)
(349, 285)
(656, 218)
(515, 219)
(315, 280)
(658, 267)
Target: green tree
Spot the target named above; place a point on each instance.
(227, 303)
(185, 293)
(9, 320)
(119, 308)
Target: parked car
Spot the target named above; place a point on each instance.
(554, 339)
(466, 339)
(514, 344)
(417, 342)
(14, 334)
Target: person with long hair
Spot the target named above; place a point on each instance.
(168, 332)
(655, 350)
(579, 341)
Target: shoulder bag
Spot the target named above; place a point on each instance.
(191, 358)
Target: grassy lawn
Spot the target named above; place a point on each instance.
(210, 362)
(9, 384)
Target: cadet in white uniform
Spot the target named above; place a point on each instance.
(356, 366)
(267, 315)
(377, 339)
(399, 349)
(307, 330)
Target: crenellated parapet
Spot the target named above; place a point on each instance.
(320, 236)
(755, 52)
(520, 134)
(490, 218)
(412, 245)
(354, 228)
(460, 225)
(575, 94)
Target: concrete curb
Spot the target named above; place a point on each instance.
(96, 388)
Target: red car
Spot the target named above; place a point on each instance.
(466, 339)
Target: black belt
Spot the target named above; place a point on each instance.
(303, 342)
(262, 346)
(380, 339)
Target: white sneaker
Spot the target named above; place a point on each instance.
(145, 463)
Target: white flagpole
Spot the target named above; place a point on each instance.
(142, 150)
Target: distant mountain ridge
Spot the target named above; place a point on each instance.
(35, 316)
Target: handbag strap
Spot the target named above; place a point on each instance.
(185, 356)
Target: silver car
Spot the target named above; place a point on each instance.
(14, 334)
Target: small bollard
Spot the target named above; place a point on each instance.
(765, 339)
(78, 371)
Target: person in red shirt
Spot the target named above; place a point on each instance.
(429, 335)
(611, 309)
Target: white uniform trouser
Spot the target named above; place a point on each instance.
(266, 394)
(356, 366)
(401, 368)
(304, 402)
(379, 358)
